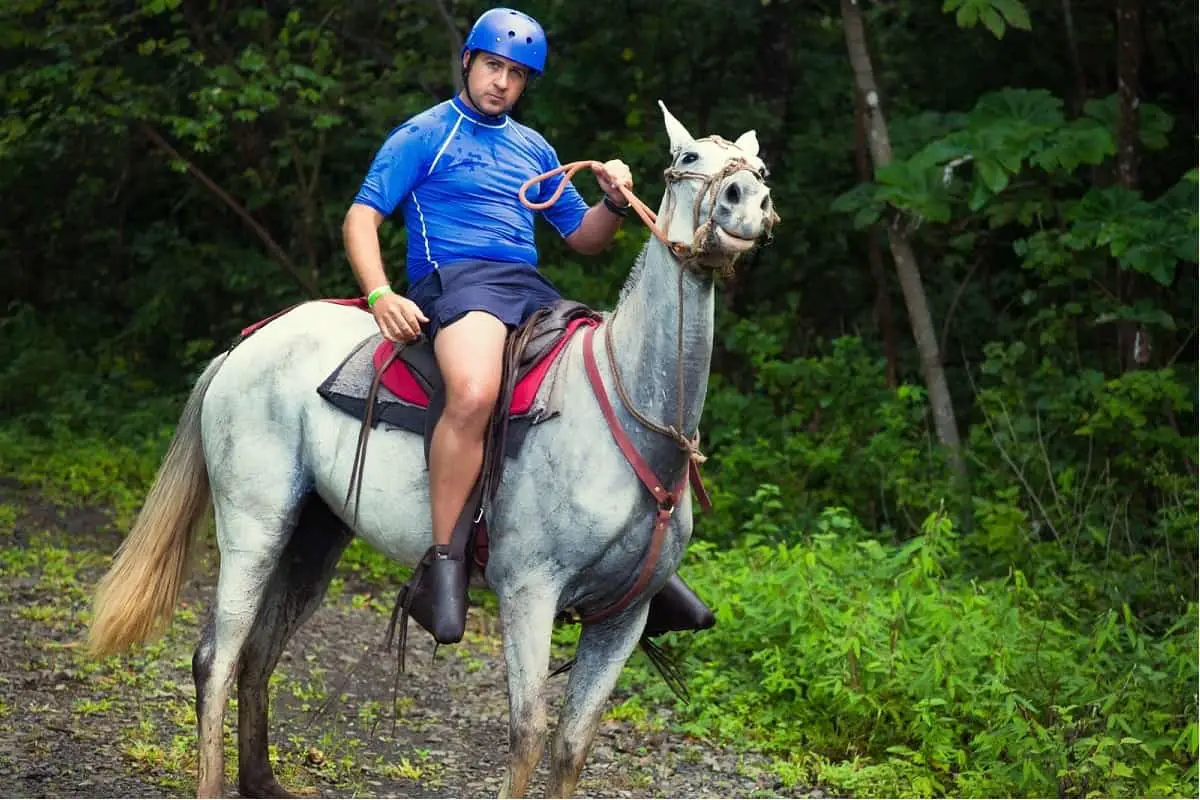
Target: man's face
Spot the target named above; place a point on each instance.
(495, 82)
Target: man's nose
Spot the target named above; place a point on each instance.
(502, 80)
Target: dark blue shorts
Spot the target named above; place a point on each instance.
(509, 291)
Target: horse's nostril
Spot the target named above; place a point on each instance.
(766, 203)
(733, 194)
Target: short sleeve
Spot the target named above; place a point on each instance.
(395, 171)
(566, 215)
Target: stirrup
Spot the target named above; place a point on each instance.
(435, 596)
(677, 608)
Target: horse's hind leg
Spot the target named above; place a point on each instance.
(251, 544)
(296, 590)
(527, 620)
(603, 649)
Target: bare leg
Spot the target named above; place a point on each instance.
(527, 617)
(296, 590)
(604, 647)
(469, 353)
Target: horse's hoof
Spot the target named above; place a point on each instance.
(268, 788)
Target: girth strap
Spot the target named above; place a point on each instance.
(667, 499)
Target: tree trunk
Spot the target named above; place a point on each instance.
(883, 300)
(907, 268)
(1081, 88)
(456, 44)
(1129, 38)
(1133, 340)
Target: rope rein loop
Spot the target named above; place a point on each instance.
(646, 214)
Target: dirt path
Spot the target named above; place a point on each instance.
(125, 727)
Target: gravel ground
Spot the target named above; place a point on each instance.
(125, 726)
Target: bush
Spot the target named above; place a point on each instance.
(880, 669)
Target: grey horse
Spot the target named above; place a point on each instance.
(570, 522)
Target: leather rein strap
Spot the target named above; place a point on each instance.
(667, 499)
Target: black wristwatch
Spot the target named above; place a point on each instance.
(620, 211)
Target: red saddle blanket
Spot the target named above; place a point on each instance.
(399, 379)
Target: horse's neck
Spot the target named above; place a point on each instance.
(646, 341)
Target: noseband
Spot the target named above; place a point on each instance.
(701, 255)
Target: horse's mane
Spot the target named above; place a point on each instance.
(639, 265)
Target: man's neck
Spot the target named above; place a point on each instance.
(464, 97)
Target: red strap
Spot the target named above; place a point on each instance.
(667, 500)
(643, 470)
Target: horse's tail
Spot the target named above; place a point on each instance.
(136, 598)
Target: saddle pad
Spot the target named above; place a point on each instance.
(349, 384)
(347, 388)
(401, 383)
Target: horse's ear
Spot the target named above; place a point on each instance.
(748, 142)
(678, 134)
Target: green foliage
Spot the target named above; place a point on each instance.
(813, 432)
(996, 15)
(73, 469)
(179, 168)
(885, 669)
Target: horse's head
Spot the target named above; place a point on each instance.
(717, 201)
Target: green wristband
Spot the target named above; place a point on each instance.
(378, 293)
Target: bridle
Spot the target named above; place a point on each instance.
(696, 256)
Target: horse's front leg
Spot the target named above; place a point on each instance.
(527, 619)
(603, 649)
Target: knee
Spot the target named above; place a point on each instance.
(469, 404)
(527, 731)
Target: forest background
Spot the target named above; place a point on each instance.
(952, 423)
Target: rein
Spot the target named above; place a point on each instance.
(678, 249)
(691, 256)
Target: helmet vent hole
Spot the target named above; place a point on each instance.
(512, 34)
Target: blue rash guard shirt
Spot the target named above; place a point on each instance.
(454, 174)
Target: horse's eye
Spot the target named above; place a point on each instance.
(689, 158)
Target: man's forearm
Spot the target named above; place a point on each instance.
(596, 231)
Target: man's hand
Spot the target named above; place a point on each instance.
(398, 318)
(611, 176)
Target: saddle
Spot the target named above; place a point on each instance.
(406, 390)
(412, 374)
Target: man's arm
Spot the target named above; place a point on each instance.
(360, 234)
(596, 231)
(600, 223)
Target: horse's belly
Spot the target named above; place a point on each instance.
(389, 504)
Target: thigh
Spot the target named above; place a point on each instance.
(470, 353)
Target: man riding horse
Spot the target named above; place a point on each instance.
(453, 172)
